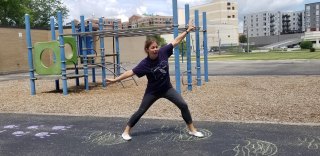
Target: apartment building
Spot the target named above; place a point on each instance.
(292, 22)
(140, 21)
(273, 23)
(262, 24)
(222, 22)
(312, 16)
(107, 22)
(313, 24)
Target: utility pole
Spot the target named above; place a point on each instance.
(182, 54)
(219, 42)
(192, 44)
(248, 46)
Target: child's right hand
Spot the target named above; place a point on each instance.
(110, 81)
(191, 25)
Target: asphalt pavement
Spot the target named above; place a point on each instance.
(39, 135)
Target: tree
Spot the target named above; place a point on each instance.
(183, 47)
(161, 41)
(12, 12)
(243, 39)
(42, 10)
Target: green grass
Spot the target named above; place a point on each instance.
(262, 56)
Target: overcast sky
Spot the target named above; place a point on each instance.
(125, 8)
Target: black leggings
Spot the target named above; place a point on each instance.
(149, 99)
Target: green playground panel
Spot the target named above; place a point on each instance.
(40, 68)
(72, 42)
(54, 69)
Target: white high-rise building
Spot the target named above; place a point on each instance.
(222, 22)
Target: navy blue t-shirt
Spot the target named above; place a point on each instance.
(157, 71)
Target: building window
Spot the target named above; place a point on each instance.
(232, 8)
(229, 16)
(308, 7)
(233, 16)
(228, 8)
(307, 13)
(228, 3)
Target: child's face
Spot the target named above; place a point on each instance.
(153, 50)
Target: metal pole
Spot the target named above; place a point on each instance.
(187, 18)
(62, 55)
(176, 49)
(103, 62)
(198, 47)
(30, 58)
(84, 53)
(53, 38)
(91, 52)
(117, 46)
(205, 46)
(76, 70)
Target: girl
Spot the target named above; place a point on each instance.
(155, 67)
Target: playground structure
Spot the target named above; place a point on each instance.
(83, 49)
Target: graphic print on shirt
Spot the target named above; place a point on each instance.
(159, 72)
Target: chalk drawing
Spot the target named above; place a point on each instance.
(167, 134)
(312, 143)
(62, 128)
(40, 131)
(10, 126)
(254, 147)
(104, 138)
(42, 134)
(35, 127)
(20, 133)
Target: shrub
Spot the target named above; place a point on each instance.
(306, 45)
(312, 49)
